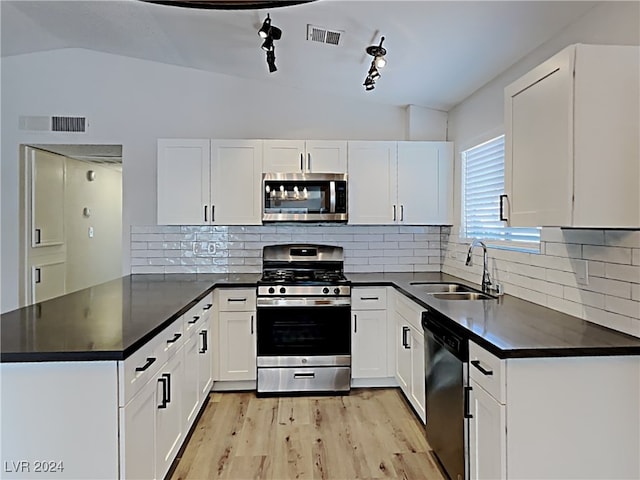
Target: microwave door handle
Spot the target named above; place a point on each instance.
(332, 197)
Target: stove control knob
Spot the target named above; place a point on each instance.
(283, 290)
(325, 290)
(336, 290)
(272, 290)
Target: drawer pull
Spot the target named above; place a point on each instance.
(165, 393)
(236, 300)
(304, 376)
(476, 363)
(369, 298)
(405, 342)
(208, 306)
(175, 338)
(150, 361)
(194, 320)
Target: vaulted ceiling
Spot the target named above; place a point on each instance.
(439, 52)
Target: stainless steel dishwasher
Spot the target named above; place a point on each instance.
(447, 393)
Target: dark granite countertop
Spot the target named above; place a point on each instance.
(109, 321)
(507, 326)
(112, 320)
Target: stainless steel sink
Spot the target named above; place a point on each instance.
(442, 287)
(462, 296)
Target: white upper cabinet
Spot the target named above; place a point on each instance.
(425, 180)
(300, 156)
(571, 149)
(183, 181)
(407, 183)
(47, 202)
(372, 183)
(202, 182)
(236, 173)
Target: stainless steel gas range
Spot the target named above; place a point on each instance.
(303, 320)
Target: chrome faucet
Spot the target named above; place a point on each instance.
(486, 279)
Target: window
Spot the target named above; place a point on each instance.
(482, 185)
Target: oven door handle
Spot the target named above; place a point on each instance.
(270, 302)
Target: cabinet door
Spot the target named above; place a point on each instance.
(183, 182)
(424, 182)
(237, 346)
(539, 144)
(48, 280)
(169, 422)
(326, 156)
(487, 436)
(403, 355)
(417, 372)
(284, 156)
(369, 344)
(372, 183)
(204, 360)
(137, 438)
(47, 200)
(236, 174)
(190, 387)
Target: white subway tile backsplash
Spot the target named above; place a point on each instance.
(584, 237)
(608, 286)
(570, 250)
(635, 292)
(585, 297)
(611, 320)
(627, 273)
(565, 306)
(630, 308)
(636, 256)
(622, 238)
(607, 254)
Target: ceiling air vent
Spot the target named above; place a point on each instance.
(323, 35)
(68, 124)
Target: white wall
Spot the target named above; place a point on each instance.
(549, 278)
(133, 102)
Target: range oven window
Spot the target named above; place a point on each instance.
(304, 331)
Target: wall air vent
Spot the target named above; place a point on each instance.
(45, 123)
(68, 124)
(323, 35)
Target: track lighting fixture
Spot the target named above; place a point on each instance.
(378, 53)
(270, 33)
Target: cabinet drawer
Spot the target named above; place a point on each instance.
(369, 298)
(136, 370)
(196, 315)
(409, 310)
(237, 300)
(488, 371)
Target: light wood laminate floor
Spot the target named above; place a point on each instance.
(368, 434)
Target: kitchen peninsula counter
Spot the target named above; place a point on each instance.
(112, 320)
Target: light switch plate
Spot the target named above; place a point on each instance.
(582, 271)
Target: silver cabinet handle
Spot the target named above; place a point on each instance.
(38, 235)
(205, 213)
(394, 213)
(304, 375)
(503, 218)
(213, 213)
(308, 162)
(301, 161)
(38, 273)
(402, 213)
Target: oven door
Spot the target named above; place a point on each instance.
(303, 328)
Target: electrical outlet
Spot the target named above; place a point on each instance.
(582, 271)
(211, 248)
(90, 232)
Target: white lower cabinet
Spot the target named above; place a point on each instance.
(236, 334)
(369, 333)
(551, 418)
(409, 346)
(487, 435)
(163, 387)
(169, 415)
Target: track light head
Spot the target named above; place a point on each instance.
(264, 29)
(369, 83)
(267, 45)
(373, 72)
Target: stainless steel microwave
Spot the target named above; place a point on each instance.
(304, 197)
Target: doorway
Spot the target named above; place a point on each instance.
(71, 218)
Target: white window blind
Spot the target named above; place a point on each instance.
(483, 183)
